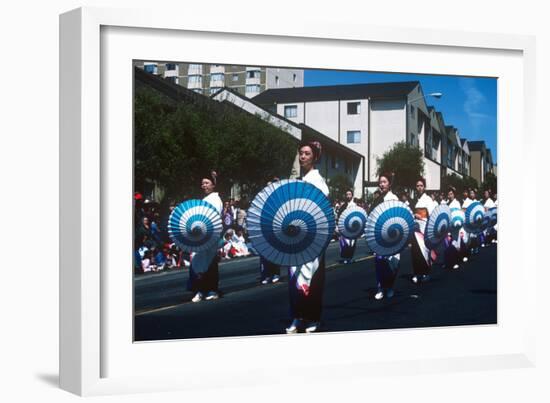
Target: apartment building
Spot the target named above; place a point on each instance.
(207, 79)
(482, 160)
(367, 118)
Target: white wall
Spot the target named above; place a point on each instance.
(388, 126)
(359, 179)
(422, 136)
(323, 117)
(433, 174)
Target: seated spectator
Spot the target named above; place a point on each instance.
(137, 262)
(228, 250)
(170, 258)
(240, 243)
(148, 262)
(160, 259)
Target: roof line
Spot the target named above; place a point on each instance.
(296, 125)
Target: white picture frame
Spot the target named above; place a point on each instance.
(97, 355)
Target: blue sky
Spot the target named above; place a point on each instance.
(468, 103)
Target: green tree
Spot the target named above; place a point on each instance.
(460, 184)
(469, 183)
(490, 182)
(338, 185)
(405, 162)
(176, 143)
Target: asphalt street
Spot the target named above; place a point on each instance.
(466, 296)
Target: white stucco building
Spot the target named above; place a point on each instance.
(336, 159)
(370, 119)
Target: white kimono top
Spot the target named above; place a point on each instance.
(426, 202)
(306, 271)
(489, 203)
(454, 204)
(390, 196)
(201, 260)
(466, 203)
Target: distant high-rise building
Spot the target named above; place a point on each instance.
(207, 79)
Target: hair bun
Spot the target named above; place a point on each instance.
(315, 146)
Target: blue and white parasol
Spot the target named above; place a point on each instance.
(473, 218)
(195, 225)
(439, 224)
(389, 227)
(351, 223)
(493, 216)
(457, 218)
(290, 222)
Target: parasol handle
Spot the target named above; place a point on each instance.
(292, 230)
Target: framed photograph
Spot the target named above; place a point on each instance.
(132, 82)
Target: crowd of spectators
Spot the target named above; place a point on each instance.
(154, 251)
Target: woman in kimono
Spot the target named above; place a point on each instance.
(420, 252)
(203, 272)
(386, 266)
(489, 234)
(306, 282)
(471, 240)
(347, 246)
(454, 243)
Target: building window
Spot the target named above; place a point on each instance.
(170, 66)
(291, 111)
(213, 90)
(253, 74)
(173, 79)
(354, 108)
(294, 77)
(450, 158)
(217, 77)
(194, 80)
(428, 144)
(354, 136)
(235, 77)
(252, 89)
(277, 81)
(150, 68)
